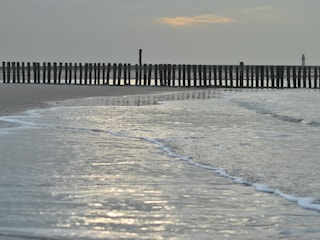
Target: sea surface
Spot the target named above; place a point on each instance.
(205, 164)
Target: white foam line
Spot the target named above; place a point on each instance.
(307, 202)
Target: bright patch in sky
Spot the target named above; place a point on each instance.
(180, 21)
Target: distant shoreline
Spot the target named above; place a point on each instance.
(17, 98)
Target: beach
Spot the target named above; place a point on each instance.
(15, 98)
(105, 162)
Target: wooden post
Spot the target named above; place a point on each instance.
(294, 77)
(169, 69)
(288, 77)
(23, 73)
(8, 72)
(174, 75)
(149, 74)
(214, 75)
(70, 73)
(140, 58)
(179, 75)
(95, 73)
(129, 74)
(161, 74)
(195, 75)
(156, 74)
(145, 70)
(189, 75)
(103, 73)
(220, 76)
(55, 69)
(60, 72)
(315, 85)
(66, 73)
(13, 72)
(49, 72)
(29, 71)
(304, 77)
(299, 76)
(4, 72)
(125, 72)
(18, 72)
(262, 76)
(137, 74)
(119, 73)
(75, 73)
(34, 72)
(44, 71)
(210, 75)
(267, 76)
(80, 73)
(231, 75)
(200, 83)
(309, 77)
(241, 71)
(226, 75)
(184, 74)
(108, 73)
(204, 75)
(114, 74)
(90, 73)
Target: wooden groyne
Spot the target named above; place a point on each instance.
(173, 75)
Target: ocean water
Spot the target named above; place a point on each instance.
(206, 164)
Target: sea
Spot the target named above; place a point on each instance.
(196, 164)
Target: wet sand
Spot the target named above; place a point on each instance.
(15, 98)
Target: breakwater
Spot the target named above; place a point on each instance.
(173, 75)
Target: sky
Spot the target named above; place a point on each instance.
(257, 32)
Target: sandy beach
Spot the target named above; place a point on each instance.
(16, 98)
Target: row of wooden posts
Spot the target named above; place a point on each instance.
(175, 75)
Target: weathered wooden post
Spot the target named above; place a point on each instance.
(309, 77)
(315, 85)
(8, 72)
(241, 71)
(114, 74)
(137, 74)
(215, 76)
(44, 71)
(23, 73)
(18, 72)
(174, 75)
(304, 77)
(90, 73)
(60, 72)
(29, 71)
(145, 71)
(95, 73)
(108, 73)
(299, 76)
(156, 74)
(75, 73)
(204, 75)
(80, 73)
(189, 75)
(66, 73)
(231, 75)
(103, 73)
(200, 77)
(49, 72)
(294, 76)
(55, 73)
(184, 74)
(4, 72)
(119, 73)
(210, 75)
(86, 73)
(13, 72)
(70, 73)
(149, 74)
(129, 74)
(140, 57)
(160, 74)
(288, 77)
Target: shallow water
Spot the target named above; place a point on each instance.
(128, 168)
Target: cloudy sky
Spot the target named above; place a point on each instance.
(168, 31)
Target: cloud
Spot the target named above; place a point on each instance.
(181, 21)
